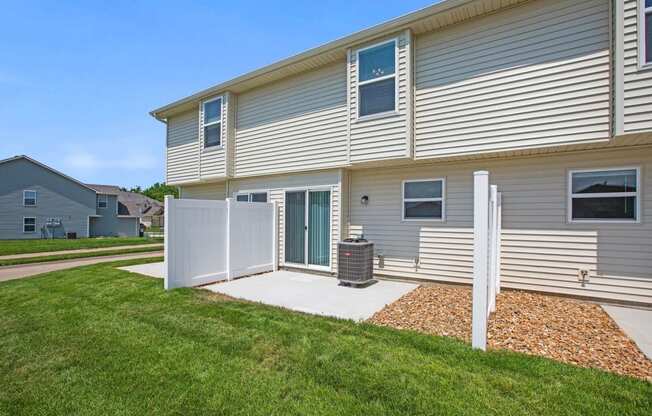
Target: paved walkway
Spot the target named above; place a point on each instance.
(148, 269)
(82, 250)
(26, 270)
(636, 323)
(318, 295)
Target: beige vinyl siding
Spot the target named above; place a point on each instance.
(530, 76)
(541, 250)
(277, 185)
(637, 82)
(295, 124)
(215, 190)
(182, 163)
(374, 139)
(213, 159)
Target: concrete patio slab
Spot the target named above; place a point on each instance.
(318, 295)
(149, 269)
(636, 323)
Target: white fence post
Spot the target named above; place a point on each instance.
(493, 245)
(167, 206)
(480, 257)
(229, 268)
(275, 244)
(499, 237)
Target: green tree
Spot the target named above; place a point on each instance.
(158, 191)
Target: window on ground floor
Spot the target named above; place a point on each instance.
(604, 195)
(29, 224)
(251, 197)
(423, 200)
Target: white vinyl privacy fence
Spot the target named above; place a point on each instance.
(487, 228)
(207, 241)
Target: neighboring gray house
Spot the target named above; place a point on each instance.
(132, 204)
(37, 201)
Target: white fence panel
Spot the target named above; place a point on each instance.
(195, 242)
(252, 238)
(487, 223)
(208, 241)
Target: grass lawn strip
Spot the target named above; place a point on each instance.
(8, 247)
(96, 340)
(563, 329)
(58, 257)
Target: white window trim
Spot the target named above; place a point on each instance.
(35, 198)
(370, 81)
(249, 192)
(29, 232)
(642, 11)
(212, 123)
(305, 265)
(570, 196)
(106, 201)
(442, 199)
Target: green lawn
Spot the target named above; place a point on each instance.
(58, 257)
(99, 341)
(8, 247)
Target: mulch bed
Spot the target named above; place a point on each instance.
(566, 330)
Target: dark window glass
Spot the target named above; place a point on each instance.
(30, 198)
(259, 197)
(648, 36)
(648, 3)
(29, 225)
(212, 135)
(212, 111)
(429, 189)
(242, 198)
(604, 182)
(423, 209)
(377, 62)
(617, 208)
(377, 97)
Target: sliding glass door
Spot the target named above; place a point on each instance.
(307, 228)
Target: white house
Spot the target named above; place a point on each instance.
(378, 134)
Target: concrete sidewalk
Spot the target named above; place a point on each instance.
(82, 250)
(26, 270)
(636, 323)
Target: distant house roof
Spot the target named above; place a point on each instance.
(36, 162)
(131, 203)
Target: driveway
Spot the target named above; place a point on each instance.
(26, 270)
(636, 323)
(318, 295)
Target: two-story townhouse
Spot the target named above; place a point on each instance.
(379, 133)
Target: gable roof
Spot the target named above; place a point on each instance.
(436, 16)
(131, 203)
(36, 162)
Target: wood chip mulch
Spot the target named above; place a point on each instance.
(562, 329)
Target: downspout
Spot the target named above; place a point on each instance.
(618, 84)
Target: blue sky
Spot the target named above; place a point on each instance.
(77, 79)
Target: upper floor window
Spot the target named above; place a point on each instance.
(102, 201)
(213, 122)
(29, 198)
(423, 200)
(377, 79)
(646, 31)
(604, 195)
(251, 197)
